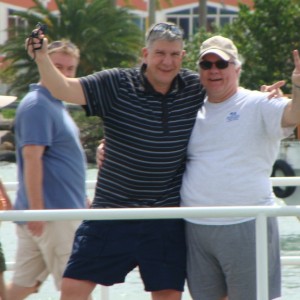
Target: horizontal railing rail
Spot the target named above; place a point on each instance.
(148, 213)
(90, 184)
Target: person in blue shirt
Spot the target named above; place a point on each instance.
(51, 173)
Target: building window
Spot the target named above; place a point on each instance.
(188, 19)
(15, 23)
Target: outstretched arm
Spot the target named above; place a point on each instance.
(291, 115)
(61, 87)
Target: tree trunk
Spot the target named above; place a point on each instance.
(151, 12)
(202, 13)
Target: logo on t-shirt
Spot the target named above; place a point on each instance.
(233, 116)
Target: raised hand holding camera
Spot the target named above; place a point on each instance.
(35, 39)
(35, 34)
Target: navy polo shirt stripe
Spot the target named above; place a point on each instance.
(146, 136)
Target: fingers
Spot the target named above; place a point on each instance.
(28, 47)
(32, 43)
(100, 153)
(296, 72)
(296, 60)
(36, 45)
(263, 88)
(274, 89)
(275, 94)
(275, 86)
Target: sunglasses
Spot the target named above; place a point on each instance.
(162, 27)
(220, 64)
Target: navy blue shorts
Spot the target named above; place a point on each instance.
(104, 252)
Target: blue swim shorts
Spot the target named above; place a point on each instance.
(104, 252)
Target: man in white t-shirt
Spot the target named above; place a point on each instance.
(231, 151)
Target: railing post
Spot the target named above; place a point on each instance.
(104, 292)
(262, 283)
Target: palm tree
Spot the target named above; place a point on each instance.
(107, 37)
(152, 5)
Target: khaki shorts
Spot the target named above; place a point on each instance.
(37, 257)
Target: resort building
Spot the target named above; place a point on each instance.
(185, 13)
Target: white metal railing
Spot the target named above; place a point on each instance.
(90, 184)
(260, 213)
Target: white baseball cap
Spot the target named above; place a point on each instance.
(6, 100)
(220, 46)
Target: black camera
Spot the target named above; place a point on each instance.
(39, 28)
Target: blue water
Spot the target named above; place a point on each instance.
(133, 288)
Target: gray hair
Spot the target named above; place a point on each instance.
(163, 31)
(238, 63)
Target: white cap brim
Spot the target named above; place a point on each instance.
(6, 100)
(218, 52)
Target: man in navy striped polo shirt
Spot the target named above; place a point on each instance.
(148, 114)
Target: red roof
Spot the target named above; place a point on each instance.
(138, 4)
(28, 3)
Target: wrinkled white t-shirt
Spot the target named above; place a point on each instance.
(231, 152)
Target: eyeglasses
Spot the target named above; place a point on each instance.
(220, 64)
(59, 44)
(161, 27)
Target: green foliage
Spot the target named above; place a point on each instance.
(8, 113)
(88, 135)
(266, 37)
(192, 48)
(107, 37)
